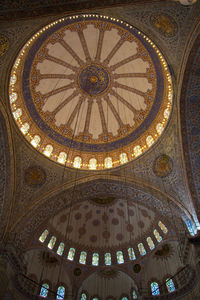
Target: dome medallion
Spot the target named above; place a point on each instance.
(90, 92)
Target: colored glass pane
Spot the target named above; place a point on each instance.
(107, 259)
(93, 164)
(48, 150)
(190, 226)
(170, 285)
(131, 254)
(43, 236)
(108, 162)
(60, 293)
(123, 158)
(71, 254)
(83, 256)
(62, 157)
(44, 290)
(150, 243)
(155, 289)
(124, 298)
(95, 298)
(35, 141)
(61, 249)
(77, 162)
(83, 296)
(141, 249)
(13, 97)
(137, 150)
(162, 227)
(134, 295)
(25, 128)
(159, 128)
(95, 259)
(149, 141)
(52, 242)
(157, 235)
(17, 113)
(120, 257)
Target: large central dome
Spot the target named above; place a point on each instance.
(91, 92)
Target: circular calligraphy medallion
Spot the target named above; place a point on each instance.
(91, 92)
(93, 80)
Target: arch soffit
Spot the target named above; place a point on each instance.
(86, 188)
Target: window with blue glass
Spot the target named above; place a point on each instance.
(170, 285)
(155, 289)
(44, 290)
(60, 293)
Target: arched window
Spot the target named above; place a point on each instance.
(120, 257)
(95, 298)
(83, 256)
(60, 293)
(190, 226)
(131, 254)
(134, 295)
(95, 259)
(44, 290)
(170, 285)
(124, 298)
(43, 236)
(77, 162)
(48, 150)
(17, 113)
(52, 242)
(157, 235)
(25, 128)
(107, 259)
(13, 97)
(83, 296)
(123, 158)
(108, 162)
(35, 141)
(162, 227)
(93, 164)
(137, 150)
(141, 249)
(149, 141)
(71, 254)
(61, 249)
(62, 157)
(155, 289)
(150, 243)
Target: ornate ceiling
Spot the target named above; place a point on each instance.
(91, 91)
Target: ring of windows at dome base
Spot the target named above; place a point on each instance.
(89, 160)
(107, 256)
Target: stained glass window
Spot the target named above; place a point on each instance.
(141, 249)
(190, 225)
(124, 298)
(93, 164)
(44, 290)
(108, 162)
(83, 256)
(13, 97)
(166, 113)
(43, 236)
(149, 141)
(120, 257)
(134, 295)
(60, 293)
(155, 289)
(61, 249)
(25, 128)
(131, 254)
(123, 158)
(137, 150)
(35, 141)
(62, 157)
(95, 298)
(107, 259)
(162, 227)
(95, 259)
(170, 285)
(17, 114)
(150, 243)
(77, 162)
(52, 242)
(83, 296)
(71, 254)
(48, 150)
(159, 128)
(157, 235)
